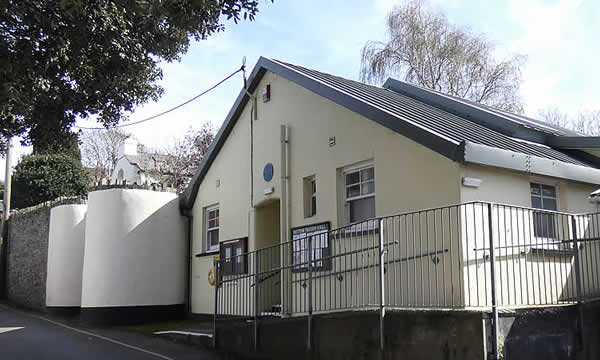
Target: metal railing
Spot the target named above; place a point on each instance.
(472, 255)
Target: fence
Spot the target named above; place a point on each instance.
(474, 255)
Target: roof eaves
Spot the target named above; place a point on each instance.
(188, 196)
(491, 156)
(574, 142)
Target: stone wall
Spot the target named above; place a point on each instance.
(27, 254)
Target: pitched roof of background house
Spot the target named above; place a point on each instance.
(459, 129)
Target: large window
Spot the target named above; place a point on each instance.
(212, 228)
(359, 193)
(234, 252)
(544, 197)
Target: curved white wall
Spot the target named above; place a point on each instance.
(135, 249)
(65, 255)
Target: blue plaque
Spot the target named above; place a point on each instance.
(268, 172)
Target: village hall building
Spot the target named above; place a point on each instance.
(303, 151)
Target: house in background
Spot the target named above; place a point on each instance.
(137, 167)
(303, 152)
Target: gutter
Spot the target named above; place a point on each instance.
(188, 284)
(487, 155)
(574, 142)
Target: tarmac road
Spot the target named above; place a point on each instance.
(29, 336)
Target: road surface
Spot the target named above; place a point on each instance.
(29, 336)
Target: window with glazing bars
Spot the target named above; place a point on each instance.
(544, 197)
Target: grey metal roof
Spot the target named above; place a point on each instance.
(444, 124)
(434, 119)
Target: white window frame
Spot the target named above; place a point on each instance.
(346, 201)
(544, 239)
(207, 211)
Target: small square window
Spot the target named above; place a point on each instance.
(310, 196)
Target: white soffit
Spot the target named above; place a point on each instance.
(487, 155)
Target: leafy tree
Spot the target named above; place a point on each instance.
(424, 48)
(39, 178)
(60, 60)
(66, 143)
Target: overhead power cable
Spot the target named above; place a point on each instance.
(166, 111)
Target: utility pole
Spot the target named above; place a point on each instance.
(7, 186)
(5, 215)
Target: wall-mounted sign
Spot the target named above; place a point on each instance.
(321, 250)
(268, 172)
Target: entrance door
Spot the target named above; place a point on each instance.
(267, 227)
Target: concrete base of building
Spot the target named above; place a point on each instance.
(355, 335)
(131, 315)
(64, 311)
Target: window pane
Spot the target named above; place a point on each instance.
(238, 253)
(548, 191)
(352, 191)
(535, 189)
(549, 204)
(362, 209)
(536, 202)
(228, 253)
(213, 238)
(367, 174)
(212, 223)
(314, 187)
(352, 178)
(544, 225)
(368, 188)
(313, 205)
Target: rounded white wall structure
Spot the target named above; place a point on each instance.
(135, 257)
(65, 257)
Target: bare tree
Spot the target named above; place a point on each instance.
(179, 161)
(424, 48)
(553, 115)
(99, 151)
(586, 122)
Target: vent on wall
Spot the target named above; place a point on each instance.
(471, 182)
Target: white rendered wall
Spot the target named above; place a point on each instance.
(65, 255)
(135, 251)
(130, 171)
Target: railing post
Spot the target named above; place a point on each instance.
(256, 299)
(576, 262)
(310, 299)
(216, 270)
(493, 284)
(381, 286)
(578, 282)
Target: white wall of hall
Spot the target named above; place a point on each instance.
(66, 243)
(135, 249)
(408, 176)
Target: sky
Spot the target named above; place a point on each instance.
(559, 38)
